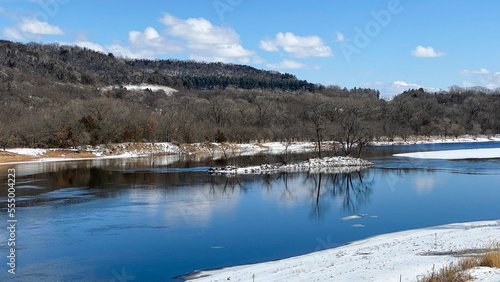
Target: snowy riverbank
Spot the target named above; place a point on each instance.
(216, 150)
(490, 153)
(405, 255)
(437, 139)
(122, 150)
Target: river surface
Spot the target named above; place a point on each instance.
(154, 219)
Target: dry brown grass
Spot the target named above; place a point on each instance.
(191, 148)
(111, 150)
(229, 146)
(7, 157)
(67, 154)
(457, 272)
(491, 259)
(260, 145)
(450, 273)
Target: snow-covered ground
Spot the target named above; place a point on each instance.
(113, 151)
(333, 164)
(254, 148)
(434, 140)
(28, 151)
(401, 256)
(490, 153)
(226, 150)
(126, 150)
(141, 87)
(298, 147)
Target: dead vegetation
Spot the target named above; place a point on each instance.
(459, 271)
(7, 157)
(67, 154)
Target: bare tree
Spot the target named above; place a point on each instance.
(318, 113)
(352, 130)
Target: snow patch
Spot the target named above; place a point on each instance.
(141, 87)
(490, 153)
(28, 151)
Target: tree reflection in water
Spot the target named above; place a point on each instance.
(353, 189)
(349, 189)
(224, 185)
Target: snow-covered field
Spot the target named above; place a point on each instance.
(401, 256)
(490, 153)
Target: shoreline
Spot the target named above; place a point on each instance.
(405, 255)
(132, 150)
(467, 154)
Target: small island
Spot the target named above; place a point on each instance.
(327, 164)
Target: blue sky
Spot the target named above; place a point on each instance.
(390, 45)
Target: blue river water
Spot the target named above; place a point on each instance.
(155, 219)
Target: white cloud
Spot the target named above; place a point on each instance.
(34, 26)
(297, 46)
(197, 37)
(340, 36)
(268, 46)
(389, 90)
(495, 79)
(131, 52)
(207, 42)
(13, 34)
(90, 45)
(491, 81)
(224, 53)
(286, 64)
(426, 52)
(474, 72)
(31, 29)
(198, 31)
(374, 84)
(148, 44)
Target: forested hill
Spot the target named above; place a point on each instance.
(42, 63)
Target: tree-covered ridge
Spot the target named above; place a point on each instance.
(38, 63)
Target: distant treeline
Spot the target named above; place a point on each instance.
(67, 115)
(55, 96)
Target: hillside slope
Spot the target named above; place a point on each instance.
(48, 63)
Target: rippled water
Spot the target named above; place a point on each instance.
(156, 218)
